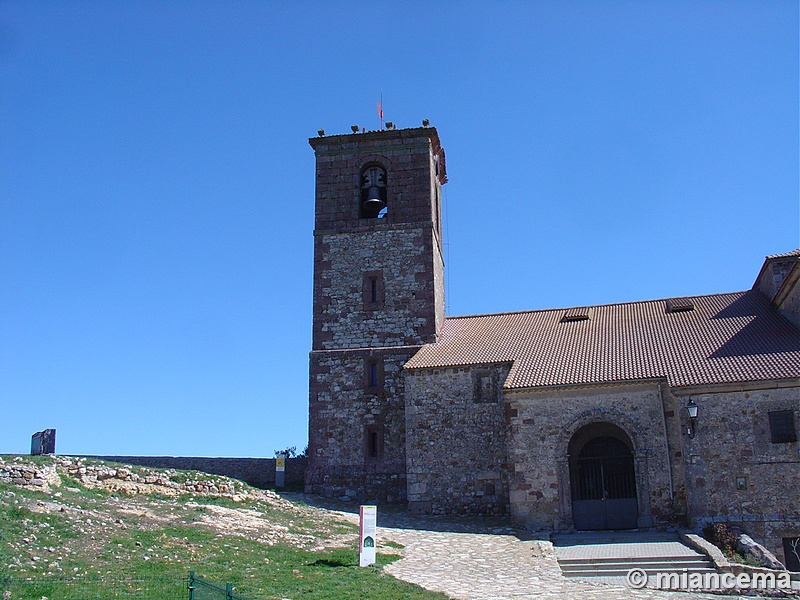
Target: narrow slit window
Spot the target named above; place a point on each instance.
(373, 444)
(373, 290)
(373, 375)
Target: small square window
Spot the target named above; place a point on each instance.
(781, 426)
(485, 389)
(791, 550)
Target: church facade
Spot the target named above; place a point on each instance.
(680, 411)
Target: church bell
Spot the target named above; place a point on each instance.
(374, 202)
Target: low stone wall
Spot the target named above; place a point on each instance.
(28, 475)
(723, 565)
(129, 479)
(258, 472)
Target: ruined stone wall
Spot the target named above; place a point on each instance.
(541, 424)
(38, 476)
(456, 440)
(258, 472)
(733, 446)
(128, 477)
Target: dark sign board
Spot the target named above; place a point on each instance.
(43, 442)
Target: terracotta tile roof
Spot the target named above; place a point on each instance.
(724, 338)
(785, 254)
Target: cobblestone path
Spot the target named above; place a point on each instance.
(485, 566)
(485, 559)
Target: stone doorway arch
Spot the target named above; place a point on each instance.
(602, 478)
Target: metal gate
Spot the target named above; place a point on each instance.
(603, 486)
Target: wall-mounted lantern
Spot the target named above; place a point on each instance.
(692, 409)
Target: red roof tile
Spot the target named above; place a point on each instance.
(785, 254)
(727, 338)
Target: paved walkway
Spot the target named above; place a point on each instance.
(620, 545)
(486, 559)
(480, 566)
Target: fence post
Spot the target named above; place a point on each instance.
(228, 591)
(191, 585)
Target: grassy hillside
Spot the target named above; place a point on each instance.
(135, 524)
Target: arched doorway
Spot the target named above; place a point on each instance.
(602, 478)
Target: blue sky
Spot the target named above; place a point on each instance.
(156, 185)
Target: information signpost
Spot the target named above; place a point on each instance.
(367, 530)
(280, 471)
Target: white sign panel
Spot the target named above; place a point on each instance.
(367, 530)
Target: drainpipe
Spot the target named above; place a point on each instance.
(666, 440)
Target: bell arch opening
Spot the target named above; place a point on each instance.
(372, 192)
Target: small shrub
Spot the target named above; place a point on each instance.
(179, 478)
(719, 535)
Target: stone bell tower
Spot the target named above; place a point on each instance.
(378, 297)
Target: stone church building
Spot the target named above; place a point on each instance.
(679, 411)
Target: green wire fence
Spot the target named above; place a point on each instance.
(108, 587)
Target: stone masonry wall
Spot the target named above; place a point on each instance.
(398, 248)
(772, 275)
(788, 300)
(404, 316)
(456, 440)
(344, 411)
(541, 425)
(438, 286)
(733, 442)
(408, 156)
(378, 296)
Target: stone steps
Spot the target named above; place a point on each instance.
(619, 566)
(613, 554)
